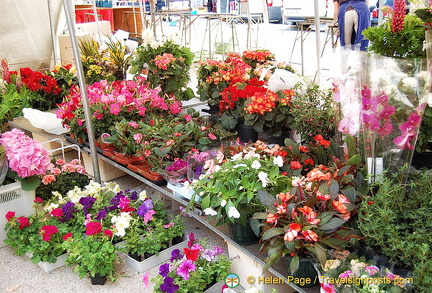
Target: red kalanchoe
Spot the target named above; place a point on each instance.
(398, 16)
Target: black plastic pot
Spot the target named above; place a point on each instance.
(98, 280)
(243, 234)
(246, 133)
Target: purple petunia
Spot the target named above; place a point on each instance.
(133, 196)
(185, 268)
(145, 208)
(164, 270)
(175, 254)
(101, 215)
(67, 211)
(87, 203)
(168, 285)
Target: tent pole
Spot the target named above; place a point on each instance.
(53, 34)
(96, 19)
(83, 89)
(318, 42)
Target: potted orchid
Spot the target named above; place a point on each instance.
(194, 269)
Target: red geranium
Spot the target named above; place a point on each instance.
(10, 215)
(93, 228)
(24, 222)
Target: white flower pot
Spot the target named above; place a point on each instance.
(14, 199)
(155, 260)
(48, 267)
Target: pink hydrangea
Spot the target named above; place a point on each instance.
(26, 156)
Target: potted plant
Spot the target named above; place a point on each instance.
(62, 178)
(27, 158)
(353, 271)
(194, 269)
(228, 190)
(166, 64)
(93, 255)
(393, 219)
(313, 216)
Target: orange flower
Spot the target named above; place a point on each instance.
(295, 165)
(292, 232)
(271, 218)
(340, 207)
(310, 215)
(310, 235)
(304, 148)
(316, 175)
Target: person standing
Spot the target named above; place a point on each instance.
(353, 16)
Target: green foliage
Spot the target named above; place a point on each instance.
(396, 220)
(312, 112)
(425, 133)
(407, 43)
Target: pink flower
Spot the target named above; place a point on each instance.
(170, 142)
(168, 225)
(55, 171)
(60, 162)
(93, 228)
(212, 136)
(372, 270)
(46, 232)
(124, 202)
(137, 137)
(149, 216)
(24, 222)
(185, 268)
(108, 233)
(145, 279)
(328, 288)
(133, 124)
(115, 109)
(57, 212)
(47, 179)
(310, 235)
(10, 215)
(188, 117)
(67, 236)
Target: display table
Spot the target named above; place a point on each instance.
(243, 256)
(83, 15)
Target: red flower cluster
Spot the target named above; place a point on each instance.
(261, 102)
(39, 82)
(260, 56)
(232, 70)
(46, 232)
(321, 141)
(398, 16)
(93, 228)
(236, 91)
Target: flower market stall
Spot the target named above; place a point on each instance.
(308, 187)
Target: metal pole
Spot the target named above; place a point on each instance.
(142, 16)
(83, 89)
(96, 19)
(53, 34)
(318, 42)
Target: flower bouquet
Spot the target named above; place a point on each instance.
(194, 269)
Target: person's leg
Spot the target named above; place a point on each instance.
(351, 26)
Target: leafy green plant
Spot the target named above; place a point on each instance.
(395, 219)
(405, 43)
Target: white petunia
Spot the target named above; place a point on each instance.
(256, 165)
(51, 207)
(143, 195)
(233, 213)
(278, 161)
(223, 203)
(74, 195)
(263, 177)
(210, 212)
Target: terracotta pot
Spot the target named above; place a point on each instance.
(143, 169)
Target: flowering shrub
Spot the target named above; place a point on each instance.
(62, 178)
(229, 188)
(192, 270)
(167, 65)
(111, 102)
(256, 58)
(311, 217)
(27, 158)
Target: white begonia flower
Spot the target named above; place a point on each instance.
(223, 203)
(51, 207)
(278, 161)
(251, 154)
(155, 44)
(236, 157)
(143, 195)
(210, 212)
(233, 213)
(263, 177)
(251, 290)
(256, 165)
